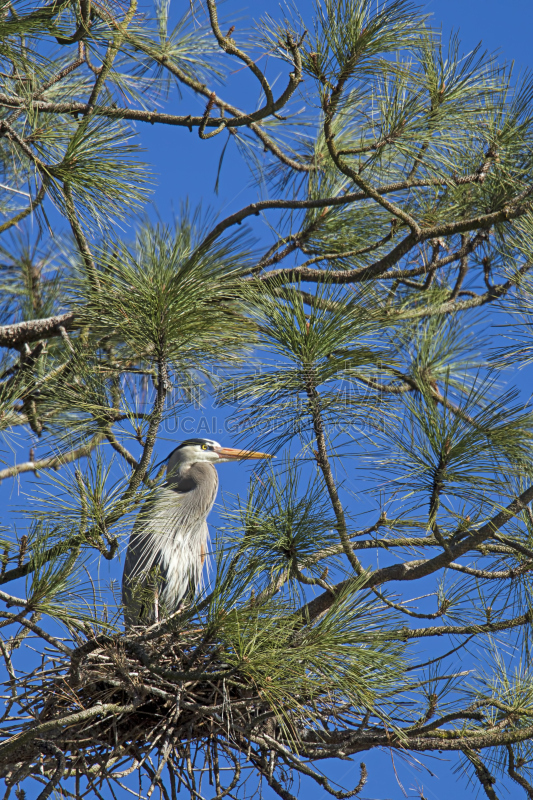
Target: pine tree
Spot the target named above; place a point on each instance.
(372, 590)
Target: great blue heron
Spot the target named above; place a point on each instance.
(168, 544)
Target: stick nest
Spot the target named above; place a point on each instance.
(116, 704)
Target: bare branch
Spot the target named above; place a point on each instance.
(33, 330)
(420, 568)
(520, 780)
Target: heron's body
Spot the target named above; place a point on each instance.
(169, 541)
(171, 534)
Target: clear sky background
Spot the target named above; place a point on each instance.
(186, 167)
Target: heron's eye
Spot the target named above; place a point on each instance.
(205, 447)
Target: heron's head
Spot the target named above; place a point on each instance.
(192, 451)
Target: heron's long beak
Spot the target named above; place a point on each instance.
(234, 454)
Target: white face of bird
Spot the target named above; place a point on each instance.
(193, 451)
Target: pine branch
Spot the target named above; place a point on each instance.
(483, 775)
(405, 634)
(519, 779)
(34, 203)
(34, 330)
(421, 568)
(52, 462)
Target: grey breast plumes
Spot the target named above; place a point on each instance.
(168, 544)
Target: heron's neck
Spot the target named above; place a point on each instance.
(177, 474)
(185, 476)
